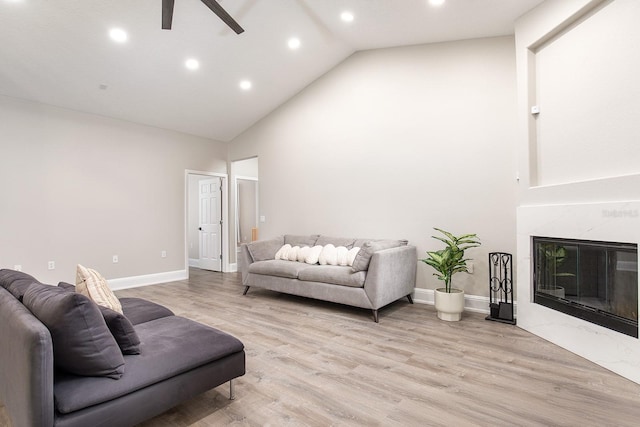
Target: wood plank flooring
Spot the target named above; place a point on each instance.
(319, 364)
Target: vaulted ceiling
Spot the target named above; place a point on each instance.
(59, 52)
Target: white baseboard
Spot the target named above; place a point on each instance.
(233, 267)
(148, 279)
(194, 262)
(475, 303)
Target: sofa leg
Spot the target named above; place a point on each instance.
(375, 315)
(410, 299)
(232, 394)
(246, 289)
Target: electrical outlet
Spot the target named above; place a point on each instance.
(17, 267)
(51, 265)
(115, 259)
(163, 254)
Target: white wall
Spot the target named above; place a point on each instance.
(578, 185)
(79, 188)
(393, 142)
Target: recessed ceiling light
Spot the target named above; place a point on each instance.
(245, 85)
(192, 64)
(293, 43)
(118, 34)
(436, 2)
(346, 16)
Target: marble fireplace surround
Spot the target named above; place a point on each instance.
(610, 221)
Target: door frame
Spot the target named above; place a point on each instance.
(225, 216)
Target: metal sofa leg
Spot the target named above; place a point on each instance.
(375, 315)
(410, 299)
(232, 394)
(246, 289)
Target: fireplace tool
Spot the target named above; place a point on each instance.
(501, 288)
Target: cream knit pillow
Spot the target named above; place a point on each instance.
(92, 285)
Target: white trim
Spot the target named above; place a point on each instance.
(194, 262)
(225, 216)
(233, 267)
(148, 279)
(475, 303)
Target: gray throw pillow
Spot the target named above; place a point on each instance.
(265, 249)
(82, 343)
(336, 241)
(119, 326)
(16, 282)
(122, 330)
(363, 258)
(298, 240)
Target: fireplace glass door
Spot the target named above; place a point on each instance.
(594, 281)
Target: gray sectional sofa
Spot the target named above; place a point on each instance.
(59, 366)
(383, 271)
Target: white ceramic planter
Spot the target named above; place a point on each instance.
(449, 305)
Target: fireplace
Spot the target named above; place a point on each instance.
(592, 280)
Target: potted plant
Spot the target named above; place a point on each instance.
(449, 301)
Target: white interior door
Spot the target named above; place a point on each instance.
(210, 228)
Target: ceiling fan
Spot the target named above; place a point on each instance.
(167, 14)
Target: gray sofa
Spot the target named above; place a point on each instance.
(383, 271)
(159, 361)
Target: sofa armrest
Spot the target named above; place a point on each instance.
(391, 275)
(26, 365)
(244, 261)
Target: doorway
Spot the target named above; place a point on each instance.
(245, 203)
(206, 215)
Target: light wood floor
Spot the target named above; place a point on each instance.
(316, 363)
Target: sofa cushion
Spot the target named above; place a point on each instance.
(347, 242)
(91, 284)
(279, 268)
(119, 326)
(334, 274)
(82, 343)
(169, 346)
(139, 310)
(363, 258)
(297, 240)
(122, 330)
(16, 282)
(265, 249)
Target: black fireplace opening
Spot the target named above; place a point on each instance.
(591, 280)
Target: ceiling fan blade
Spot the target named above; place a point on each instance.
(222, 14)
(167, 14)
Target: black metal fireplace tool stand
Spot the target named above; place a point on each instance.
(501, 288)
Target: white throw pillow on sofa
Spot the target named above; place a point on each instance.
(351, 255)
(303, 253)
(314, 255)
(293, 253)
(341, 255)
(283, 252)
(329, 255)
